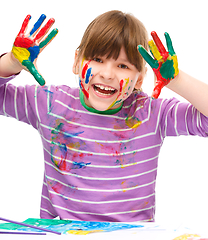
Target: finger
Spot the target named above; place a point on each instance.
(49, 38)
(31, 67)
(45, 29)
(169, 44)
(159, 45)
(154, 50)
(152, 62)
(38, 24)
(24, 25)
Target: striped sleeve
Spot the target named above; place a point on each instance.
(182, 119)
(23, 103)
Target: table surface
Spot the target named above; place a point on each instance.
(152, 231)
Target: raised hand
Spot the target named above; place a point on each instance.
(164, 64)
(27, 47)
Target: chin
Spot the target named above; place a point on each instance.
(101, 104)
(102, 109)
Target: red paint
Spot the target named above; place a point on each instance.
(24, 25)
(160, 46)
(23, 42)
(56, 187)
(85, 69)
(63, 164)
(160, 83)
(45, 29)
(121, 85)
(84, 90)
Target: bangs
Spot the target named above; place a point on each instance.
(111, 31)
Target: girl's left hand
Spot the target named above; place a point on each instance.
(164, 64)
(27, 47)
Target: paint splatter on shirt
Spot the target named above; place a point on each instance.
(99, 167)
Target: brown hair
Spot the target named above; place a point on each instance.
(107, 33)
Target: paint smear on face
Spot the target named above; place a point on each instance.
(83, 88)
(85, 75)
(116, 101)
(85, 69)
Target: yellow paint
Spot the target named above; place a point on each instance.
(154, 50)
(20, 53)
(175, 65)
(82, 63)
(132, 122)
(186, 236)
(112, 104)
(82, 232)
(122, 184)
(126, 84)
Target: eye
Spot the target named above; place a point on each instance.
(123, 66)
(97, 60)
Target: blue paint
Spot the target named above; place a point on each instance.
(78, 165)
(38, 24)
(63, 226)
(34, 51)
(88, 75)
(47, 91)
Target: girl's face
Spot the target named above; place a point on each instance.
(107, 82)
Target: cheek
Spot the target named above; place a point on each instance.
(86, 72)
(126, 88)
(85, 77)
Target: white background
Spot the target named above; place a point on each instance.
(182, 183)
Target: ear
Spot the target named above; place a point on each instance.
(75, 67)
(139, 82)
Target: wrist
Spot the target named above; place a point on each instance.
(9, 65)
(173, 83)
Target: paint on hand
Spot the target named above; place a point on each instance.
(164, 64)
(26, 49)
(38, 24)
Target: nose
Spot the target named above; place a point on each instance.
(107, 72)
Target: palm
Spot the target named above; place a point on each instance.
(164, 64)
(26, 48)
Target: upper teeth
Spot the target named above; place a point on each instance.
(105, 88)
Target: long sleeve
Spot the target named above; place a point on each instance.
(27, 104)
(182, 119)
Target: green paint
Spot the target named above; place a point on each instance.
(34, 222)
(169, 44)
(57, 128)
(167, 70)
(152, 62)
(30, 66)
(49, 38)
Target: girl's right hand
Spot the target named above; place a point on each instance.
(27, 47)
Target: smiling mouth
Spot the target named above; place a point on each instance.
(107, 91)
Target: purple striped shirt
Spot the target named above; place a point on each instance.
(99, 167)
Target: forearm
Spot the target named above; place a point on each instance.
(9, 65)
(193, 90)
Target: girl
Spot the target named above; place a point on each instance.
(101, 142)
